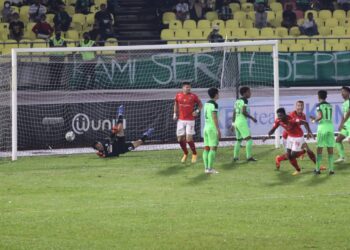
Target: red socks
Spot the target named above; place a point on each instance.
(295, 164)
(184, 147)
(299, 154)
(282, 158)
(309, 153)
(311, 156)
(193, 147)
(294, 161)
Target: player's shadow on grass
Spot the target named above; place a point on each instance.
(341, 167)
(260, 155)
(234, 165)
(198, 179)
(284, 178)
(318, 179)
(172, 170)
(230, 166)
(266, 152)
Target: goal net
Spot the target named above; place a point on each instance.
(47, 92)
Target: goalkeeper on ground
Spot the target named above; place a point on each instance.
(116, 144)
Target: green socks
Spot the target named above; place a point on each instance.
(249, 148)
(211, 158)
(205, 158)
(236, 149)
(330, 162)
(340, 149)
(318, 162)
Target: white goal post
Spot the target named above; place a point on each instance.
(220, 46)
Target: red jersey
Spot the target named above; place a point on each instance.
(186, 103)
(292, 126)
(294, 115)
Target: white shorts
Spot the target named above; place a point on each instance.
(295, 143)
(185, 128)
(284, 143)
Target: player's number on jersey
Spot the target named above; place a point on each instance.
(328, 113)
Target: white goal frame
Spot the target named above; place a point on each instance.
(16, 51)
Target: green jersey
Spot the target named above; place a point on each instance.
(346, 107)
(210, 107)
(239, 105)
(326, 123)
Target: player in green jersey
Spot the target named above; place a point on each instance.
(344, 127)
(240, 124)
(212, 132)
(325, 131)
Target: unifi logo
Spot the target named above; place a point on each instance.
(82, 123)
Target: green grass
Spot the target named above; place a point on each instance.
(147, 200)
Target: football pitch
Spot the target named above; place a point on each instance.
(148, 200)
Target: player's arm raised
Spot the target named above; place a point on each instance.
(215, 119)
(246, 114)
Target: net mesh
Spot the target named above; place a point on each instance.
(61, 92)
(5, 103)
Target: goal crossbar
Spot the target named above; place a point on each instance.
(148, 47)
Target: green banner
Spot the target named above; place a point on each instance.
(168, 70)
(165, 70)
(314, 69)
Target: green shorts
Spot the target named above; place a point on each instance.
(242, 131)
(211, 138)
(345, 131)
(325, 139)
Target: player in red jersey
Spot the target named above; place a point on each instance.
(187, 107)
(295, 138)
(296, 114)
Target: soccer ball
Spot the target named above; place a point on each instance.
(70, 136)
